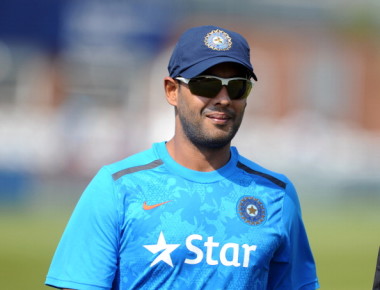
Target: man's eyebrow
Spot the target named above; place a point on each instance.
(235, 75)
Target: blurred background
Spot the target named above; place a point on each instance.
(81, 86)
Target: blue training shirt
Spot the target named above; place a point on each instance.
(147, 222)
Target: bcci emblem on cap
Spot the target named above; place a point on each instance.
(251, 210)
(218, 40)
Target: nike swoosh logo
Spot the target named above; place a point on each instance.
(148, 207)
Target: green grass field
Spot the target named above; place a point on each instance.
(345, 241)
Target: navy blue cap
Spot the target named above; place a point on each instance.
(202, 47)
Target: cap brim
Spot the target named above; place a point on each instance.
(200, 67)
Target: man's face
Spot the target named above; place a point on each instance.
(211, 123)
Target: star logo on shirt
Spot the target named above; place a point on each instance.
(252, 210)
(164, 248)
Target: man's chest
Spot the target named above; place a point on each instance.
(216, 225)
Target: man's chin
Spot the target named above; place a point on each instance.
(213, 143)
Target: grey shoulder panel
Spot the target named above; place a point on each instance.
(273, 179)
(134, 169)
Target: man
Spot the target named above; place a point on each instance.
(376, 280)
(190, 213)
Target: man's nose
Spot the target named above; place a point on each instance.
(222, 97)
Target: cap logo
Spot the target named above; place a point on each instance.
(218, 40)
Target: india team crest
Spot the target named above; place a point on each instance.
(218, 40)
(251, 210)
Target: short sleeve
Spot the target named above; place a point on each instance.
(292, 266)
(86, 257)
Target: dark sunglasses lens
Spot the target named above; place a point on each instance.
(239, 89)
(205, 87)
(210, 87)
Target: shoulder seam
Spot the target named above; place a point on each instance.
(271, 178)
(134, 169)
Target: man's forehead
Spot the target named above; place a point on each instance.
(227, 68)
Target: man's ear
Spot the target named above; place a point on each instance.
(171, 90)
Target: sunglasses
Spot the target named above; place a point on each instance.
(210, 86)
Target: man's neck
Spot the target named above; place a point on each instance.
(198, 158)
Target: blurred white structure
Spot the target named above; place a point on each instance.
(313, 113)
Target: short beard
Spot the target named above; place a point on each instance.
(200, 140)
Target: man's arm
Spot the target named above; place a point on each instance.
(93, 228)
(293, 266)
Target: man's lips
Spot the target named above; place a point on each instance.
(219, 117)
